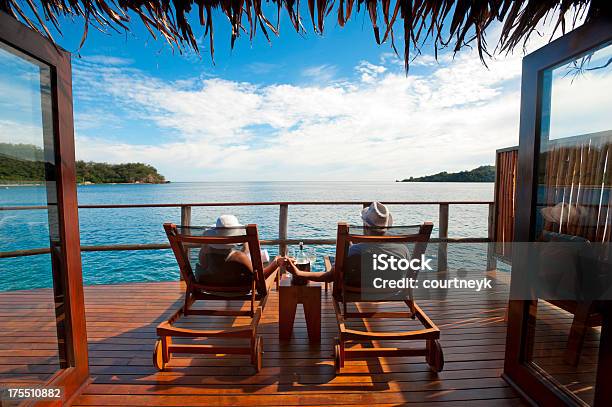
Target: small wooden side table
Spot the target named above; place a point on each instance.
(290, 296)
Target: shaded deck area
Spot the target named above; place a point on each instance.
(121, 322)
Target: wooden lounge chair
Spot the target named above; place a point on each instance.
(565, 284)
(344, 295)
(181, 240)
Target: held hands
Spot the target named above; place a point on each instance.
(288, 264)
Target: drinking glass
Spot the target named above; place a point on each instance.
(291, 252)
(312, 257)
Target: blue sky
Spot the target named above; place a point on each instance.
(283, 59)
(304, 106)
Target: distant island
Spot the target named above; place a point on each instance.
(24, 163)
(484, 173)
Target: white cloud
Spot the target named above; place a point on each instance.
(382, 124)
(379, 124)
(20, 133)
(369, 72)
(108, 60)
(321, 73)
(578, 104)
(262, 68)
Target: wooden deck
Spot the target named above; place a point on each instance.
(28, 344)
(552, 331)
(121, 321)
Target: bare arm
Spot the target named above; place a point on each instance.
(241, 258)
(273, 265)
(321, 276)
(245, 260)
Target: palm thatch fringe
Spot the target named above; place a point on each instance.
(444, 23)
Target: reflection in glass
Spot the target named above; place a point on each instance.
(577, 102)
(574, 206)
(33, 341)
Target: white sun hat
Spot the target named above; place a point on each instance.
(227, 225)
(229, 222)
(377, 215)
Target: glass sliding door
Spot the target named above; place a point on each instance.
(558, 347)
(27, 178)
(43, 341)
(574, 203)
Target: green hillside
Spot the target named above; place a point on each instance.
(23, 163)
(13, 169)
(484, 173)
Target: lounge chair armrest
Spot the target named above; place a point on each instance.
(328, 263)
(271, 278)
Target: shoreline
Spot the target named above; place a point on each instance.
(242, 182)
(456, 182)
(20, 185)
(87, 184)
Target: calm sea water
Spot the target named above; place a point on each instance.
(29, 228)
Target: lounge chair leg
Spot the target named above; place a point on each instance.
(186, 306)
(257, 353)
(158, 359)
(338, 355)
(253, 348)
(342, 352)
(337, 358)
(435, 356)
(575, 340)
(337, 361)
(166, 342)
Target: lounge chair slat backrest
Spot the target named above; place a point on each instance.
(348, 235)
(256, 261)
(181, 240)
(180, 253)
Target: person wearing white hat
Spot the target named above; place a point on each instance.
(376, 219)
(377, 216)
(227, 264)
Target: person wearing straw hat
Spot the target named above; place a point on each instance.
(376, 219)
(227, 264)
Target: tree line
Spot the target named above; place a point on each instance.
(25, 163)
(484, 173)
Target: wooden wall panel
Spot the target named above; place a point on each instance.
(505, 187)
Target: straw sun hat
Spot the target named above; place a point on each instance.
(377, 215)
(565, 213)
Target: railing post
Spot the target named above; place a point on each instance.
(283, 215)
(185, 215)
(185, 221)
(491, 259)
(443, 234)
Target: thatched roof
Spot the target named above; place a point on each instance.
(443, 23)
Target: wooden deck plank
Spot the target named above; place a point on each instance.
(294, 373)
(29, 352)
(121, 322)
(362, 397)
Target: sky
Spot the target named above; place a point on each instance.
(302, 107)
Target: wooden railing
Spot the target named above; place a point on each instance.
(283, 240)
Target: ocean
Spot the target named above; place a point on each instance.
(29, 228)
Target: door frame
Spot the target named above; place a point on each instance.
(23, 39)
(533, 383)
